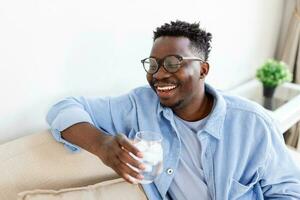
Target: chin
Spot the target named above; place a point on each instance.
(172, 105)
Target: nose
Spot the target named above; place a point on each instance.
(161, 73)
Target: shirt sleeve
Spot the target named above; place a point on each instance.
(72, 110)
(281, 176)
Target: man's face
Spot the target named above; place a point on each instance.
(179, 89)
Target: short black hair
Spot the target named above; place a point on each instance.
(200, 39)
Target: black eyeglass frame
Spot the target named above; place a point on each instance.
(160, 62)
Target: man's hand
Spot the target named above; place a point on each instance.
(114, 152)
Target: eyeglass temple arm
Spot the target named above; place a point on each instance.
(193, 58)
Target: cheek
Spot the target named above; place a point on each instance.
(149, 78)
(190, 84)
(189, 80)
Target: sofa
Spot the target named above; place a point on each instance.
(37, 167)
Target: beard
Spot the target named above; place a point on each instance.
(176, 105)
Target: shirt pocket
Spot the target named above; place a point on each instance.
(239, 191)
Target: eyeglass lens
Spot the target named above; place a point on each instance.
(170, 63)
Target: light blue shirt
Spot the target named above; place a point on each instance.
(243, 154)
(189, 166)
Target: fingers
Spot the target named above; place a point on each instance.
(122, 156)
(125, 157)
(127, 144)
(127, 172)
(129, 179)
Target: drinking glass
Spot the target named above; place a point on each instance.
(150, 144)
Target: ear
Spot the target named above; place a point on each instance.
(204, 70)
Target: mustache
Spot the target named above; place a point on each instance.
(155, 82)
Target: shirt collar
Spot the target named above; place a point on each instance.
(215, 119)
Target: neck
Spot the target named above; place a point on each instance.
(203, 107)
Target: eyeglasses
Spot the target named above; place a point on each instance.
(170, 63)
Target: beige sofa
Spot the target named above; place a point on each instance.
(46, 170)
(39, 162)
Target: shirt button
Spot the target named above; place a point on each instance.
(170, 171)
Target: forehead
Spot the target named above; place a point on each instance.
(170, 45)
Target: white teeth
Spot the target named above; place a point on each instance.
(165, 88)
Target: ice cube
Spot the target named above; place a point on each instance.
(148, 168)
(152, 157)
(142, 145)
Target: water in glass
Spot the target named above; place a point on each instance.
(150, 143)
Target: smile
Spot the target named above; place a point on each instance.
(165, 91)
(165, 88)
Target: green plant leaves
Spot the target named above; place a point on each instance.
(273, 73)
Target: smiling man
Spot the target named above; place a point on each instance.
(216, 146)
(179, 84)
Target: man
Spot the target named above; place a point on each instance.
(216, 146)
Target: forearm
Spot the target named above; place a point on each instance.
(86, 136)
(113, 151)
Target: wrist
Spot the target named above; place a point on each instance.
(98, 143)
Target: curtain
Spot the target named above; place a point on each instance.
(291, 56)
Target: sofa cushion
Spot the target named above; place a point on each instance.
(107, 190)
(37, 161)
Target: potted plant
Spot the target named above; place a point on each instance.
(272, 74)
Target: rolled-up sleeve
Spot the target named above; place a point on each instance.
(71, 111)
(64, 119)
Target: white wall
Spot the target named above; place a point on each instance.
(50, 49)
